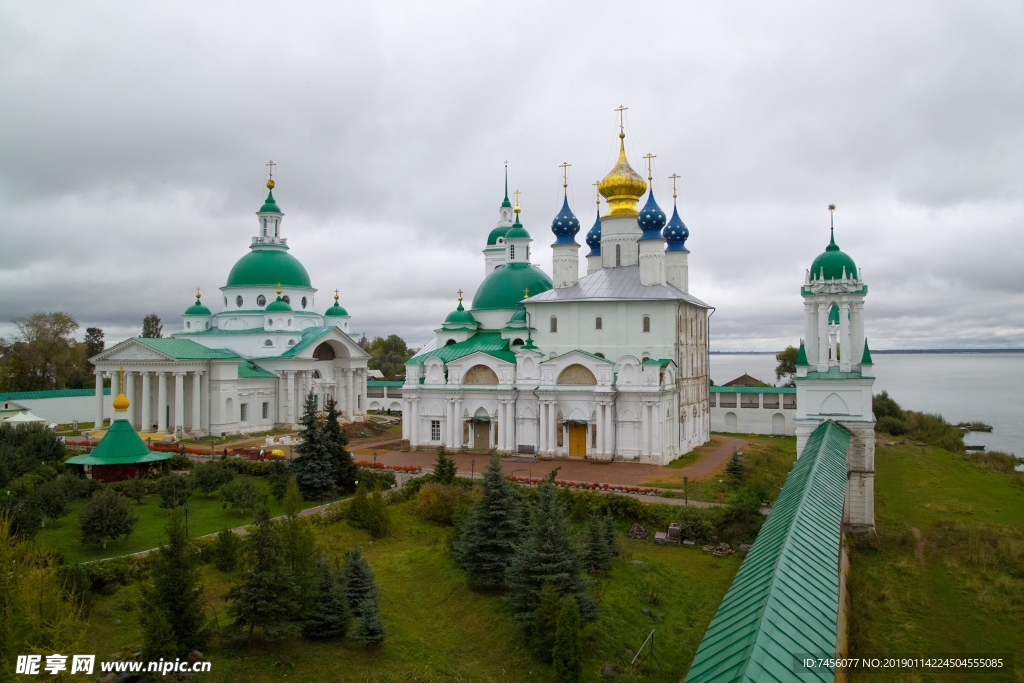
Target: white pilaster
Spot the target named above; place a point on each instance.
(822, 337)
(99, 400)
(290, 396)
(645, 429)
(609, 424)
(600, 429)
(197, 400)
(161, 402)
(179, 402)
(146, 421)
(845, 342)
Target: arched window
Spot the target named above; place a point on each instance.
(517, 342)
(599, 354)
(647, 323)
(554, 324)
(449, 342)
(618, 254)
(270, 322)
(207, 325)
(261, 301)
(291, 342)
(238, 300)
(317, 375)
(303, 302)
(268, 342)
(598, 323)
(512, 249)
(324, 352)
(289, 322)
(286, 299)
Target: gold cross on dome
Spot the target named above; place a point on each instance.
(271, 165)
(565, 175)
(597, 193)
(649, 157)
(622, 127)
(674, 177)
(460, 295)
(526, 293)
(517, 193)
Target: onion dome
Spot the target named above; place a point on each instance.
(120, 403)
(833, 264)
(622, 187)
(197, 308)
(651, 219)
(517, 231)
(279, 306)
(460, 317)
(676, 233)
(335, 310)
(270, 205)
(594, 237)
(565, 225)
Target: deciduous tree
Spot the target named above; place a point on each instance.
(105, 516)
(787, 364)
(389, 356)
(151, 327)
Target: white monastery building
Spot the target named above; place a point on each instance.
(248, 367)
(613, 365)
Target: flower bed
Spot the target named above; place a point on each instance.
(590, 486)
(393, 468)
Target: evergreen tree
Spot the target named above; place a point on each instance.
(735, 469)
(225, 550)
(330, 615)
(358, 513)
(357, 580)
(444, 467)
(106, 516)
(175, 587)
(345, 470)
(490, 533)
(597, 555)
(279, 473)
(370, 630)
(157, 634)
(300, 551)
(541, 634)
(546, 555)
(314, 470)
(609, 533)
(567, 653)
(378, 521)
(265, 595)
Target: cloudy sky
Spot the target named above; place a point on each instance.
(135, 135)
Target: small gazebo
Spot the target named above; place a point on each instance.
(121, 454)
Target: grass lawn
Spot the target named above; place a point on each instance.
(439, 630)
(947, 576)
(205, 516)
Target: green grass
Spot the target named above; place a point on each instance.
(947, 575)
(438, 630)
(205, 516)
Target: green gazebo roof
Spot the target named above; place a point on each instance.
(121, 445)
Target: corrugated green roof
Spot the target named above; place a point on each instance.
(121, 445)
(185, 349)
(309, 335)
(51, 393)
(490, 343)
(718, 389)
(385, 383)
(249, 370)
(785, 598)
(833, 373)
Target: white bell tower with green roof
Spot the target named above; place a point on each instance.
(835, 374)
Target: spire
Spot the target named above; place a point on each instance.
(801, 356)
(866, 358)
(270, 204)
(506, 202)
(832, 228)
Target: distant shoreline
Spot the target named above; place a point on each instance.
(873, 351)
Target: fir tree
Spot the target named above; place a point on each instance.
(370, 631)
(330, 615)
(545, 621)
(299, 545)
(567, 653)
(546, 555)
(176, 588)
(378, 521)
(490, 533)
(345, 470)
(225, 550)
(357, 580)
(358, 512)
(735, 469)
(609, 534)
(597, 555)
(265, 595)
(444, 467)
(313, 469)
(157, 633)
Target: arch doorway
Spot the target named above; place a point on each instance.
(778, 424)
(730, 422)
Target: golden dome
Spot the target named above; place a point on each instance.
(121, 402)
(622, 187)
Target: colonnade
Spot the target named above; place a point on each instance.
(348, 389)
(141, 413)
(824, 349)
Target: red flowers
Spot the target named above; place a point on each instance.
(393, 468)
(611, 488)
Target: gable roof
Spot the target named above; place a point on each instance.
(175, 349)
(745, 380)
(615, 284)
(249, 370)
(490, 343)
(311, 335)
(50, 393)
(785, 597)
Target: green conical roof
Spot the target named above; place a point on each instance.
(270, 205)
(121, 445)
(801, 356)
(866, 358)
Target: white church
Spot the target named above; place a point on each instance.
(613, 365)
(248, 367)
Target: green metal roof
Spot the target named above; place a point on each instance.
(801, 355)
(866, 358)
(785, 598)
(309, 335)
(492, 239)
(121, 445)
(660, 361)
(249, 370)
(490, 343)
(185, 349)
(833, 373)
(335, 310)
(51, 393)
(460, 317)
(270, 204)
(197, 309)
(278, 306)
(385, 382)
(268, 267)
(830, 264)
(718, 389)
(504, 287)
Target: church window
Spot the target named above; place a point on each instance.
(287, 299)
(513, 249)
(599, 354)
(244, 412)
(316, 374)
(261, 301)
(269, 342)
(291, 342)
(435, 430)
(527, 252)
(225, 301)
(266, 410)
(323, 352)
(264, 227)
(598, 323)
(517, 342)
(270, 322)
(449, 342)
(303, 302)
(188, 326)
(647, 323)
(289, 322)
(239, 300)
(618, 254)
(207, 325)
(554, 324)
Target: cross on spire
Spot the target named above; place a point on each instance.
(622, 126)
(526, 293)
(460, 295)
(517, 193)
(674, 177)
(649, 157)
(832, 220)
(565, 177)
(270, 172)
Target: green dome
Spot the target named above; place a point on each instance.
(516, 232)
(460, 317)
(504, 287)
(268, 268)
(335, 311)
(197, 309)
(832, 261)
(499, 231)
(269, 206)
(518, 318)
(278, 306)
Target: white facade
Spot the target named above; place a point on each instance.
(754, 410)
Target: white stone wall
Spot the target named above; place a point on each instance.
(67, 409)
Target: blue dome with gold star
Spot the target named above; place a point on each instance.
(565, 225)
(675, 233)
(594, 237)
(651, 219)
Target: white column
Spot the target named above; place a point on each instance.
(179, 402)
(656, 428)
(458, 422)
(447, 433)
(823, 341)
(161, 402)
(609, 424)
(351, 401)
(146, 421)
(645, 429)
(552, 426)
(405, 418)
(362, 392)
(504, 443)
(810, 334)
(415, 426)
(599, 448)
(99, 400)
(197, 399)
(289, 414)
(542, 427)
(845, 342)
(129, 391)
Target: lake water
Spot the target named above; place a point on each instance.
(962, 387)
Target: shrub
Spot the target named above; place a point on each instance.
(252, 468)
(994, 460)
(279, 473)
(376, 479)
(379, 518)
(884, 406)
(210, 476)
(174, 490)
(226, 550)
(180, 462)
(438, 503)
(891, 425)
(241, 494)
(444, 467)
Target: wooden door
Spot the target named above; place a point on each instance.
(481, 436)
(577, 439)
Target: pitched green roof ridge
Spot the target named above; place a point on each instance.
(801, 356)
(121, 445)
(785, 597)
(249, 370)
(185, 349)
(50, 393)
(385, 382)
(866, 358)
(309, 335)
(490, 343)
